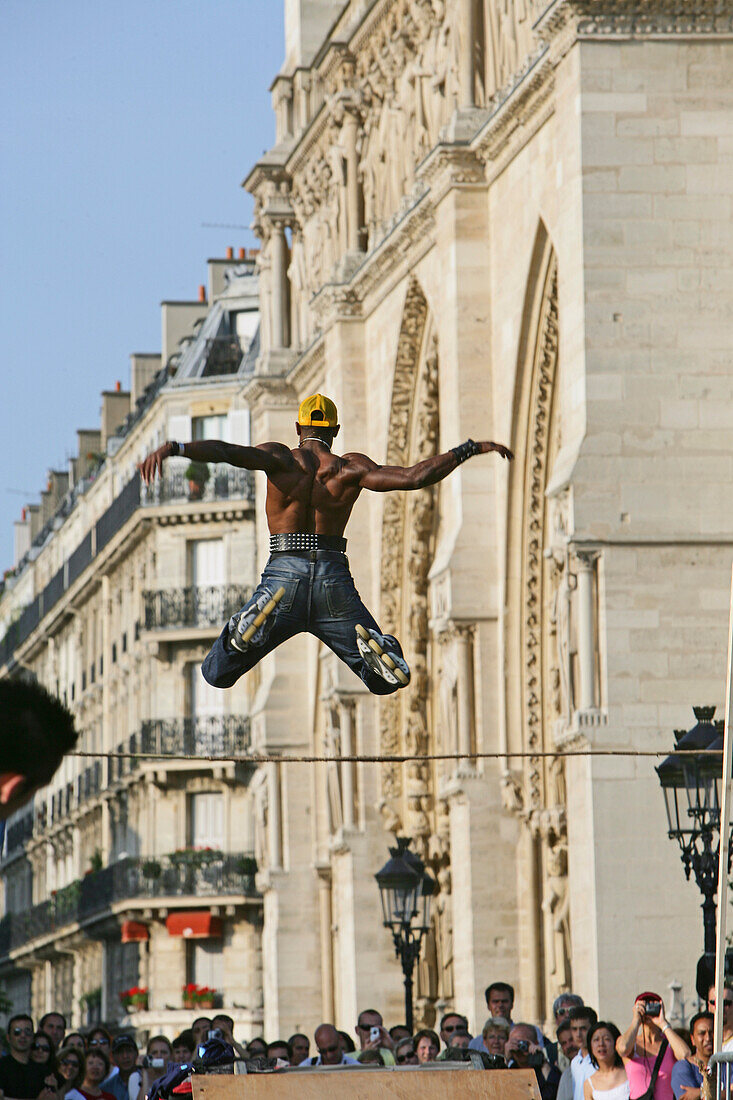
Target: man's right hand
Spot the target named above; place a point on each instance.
(153, 464)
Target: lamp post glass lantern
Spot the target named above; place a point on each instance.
(405, 890)
(691, 788)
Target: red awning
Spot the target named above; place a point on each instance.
(197, 925)
(133, 931)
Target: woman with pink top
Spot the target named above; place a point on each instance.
(650, 1048)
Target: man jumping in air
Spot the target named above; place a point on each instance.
(307, 585)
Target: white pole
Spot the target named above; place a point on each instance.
(725, 810)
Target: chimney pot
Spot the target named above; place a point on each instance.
(118, 387)
(243, 253)
(202, 292)
(23, 515)
(230, 253)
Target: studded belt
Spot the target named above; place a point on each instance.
(296, 540)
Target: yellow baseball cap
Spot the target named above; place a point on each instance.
(318, 411)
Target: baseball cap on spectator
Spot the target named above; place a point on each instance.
(123, 1041)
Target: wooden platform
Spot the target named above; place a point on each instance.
(459, 1082)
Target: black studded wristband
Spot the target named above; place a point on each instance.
(465, 451)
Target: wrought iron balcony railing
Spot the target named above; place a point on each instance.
(209, 735)
(133, 878)
(223, 483)
(204, 605)
(17, 833)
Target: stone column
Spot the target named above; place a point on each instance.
(324, 913)
(347, 767)
(586, 630)
(350, 131)
(280, 302)
(274, 815)
(467, 38)
(464, 646)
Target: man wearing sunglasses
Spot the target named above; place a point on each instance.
(19, 1076)
(451, 1026)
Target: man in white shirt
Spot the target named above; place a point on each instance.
(582, 1019)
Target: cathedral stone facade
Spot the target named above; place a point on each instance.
(504, 219)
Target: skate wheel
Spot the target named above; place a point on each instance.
(375, 646)
(362, 632)
(399, 674)
(388, 661)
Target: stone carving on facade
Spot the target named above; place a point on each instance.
(537, 793)
(393, 523)
(408, 540)
(505, 41)
(637, 17)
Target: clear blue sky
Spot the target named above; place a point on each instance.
(125, 127)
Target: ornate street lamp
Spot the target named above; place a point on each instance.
(691, 787)
(405, 890)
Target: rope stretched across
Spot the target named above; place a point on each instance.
(392, 758)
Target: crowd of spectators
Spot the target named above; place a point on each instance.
(585, 1059)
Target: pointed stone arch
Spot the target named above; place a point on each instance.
(402, 409)
(536, 791)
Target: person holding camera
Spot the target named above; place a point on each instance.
(523, 1052)
(649, 1048)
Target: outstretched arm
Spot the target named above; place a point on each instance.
(385, 479)
(273, 458)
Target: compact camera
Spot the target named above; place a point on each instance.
(153, 1063)
(652, 1008)
(523, 1045)
(215, 1033)
(374, 1034)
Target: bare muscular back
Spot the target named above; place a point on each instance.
(310, 490)
(314, 492)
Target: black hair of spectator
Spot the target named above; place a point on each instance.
(38, 731)
(583, 1012)
(260, 1042)
(598, 1026)
(97, 1052)
(19, 1016)
(426, 1033)
(298, 1035)
(50, 1065)
(400, 1027)
(700, 1016)
(500, 987)
(348, 1041)
(447, 1016)
(228, 1020)
(185, 1039)
(279, 1043)
(42, 1021)
(564, 1026)
(99, 1030)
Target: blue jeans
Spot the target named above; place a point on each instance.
(320, 598)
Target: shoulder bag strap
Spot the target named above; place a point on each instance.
(657, 1067)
